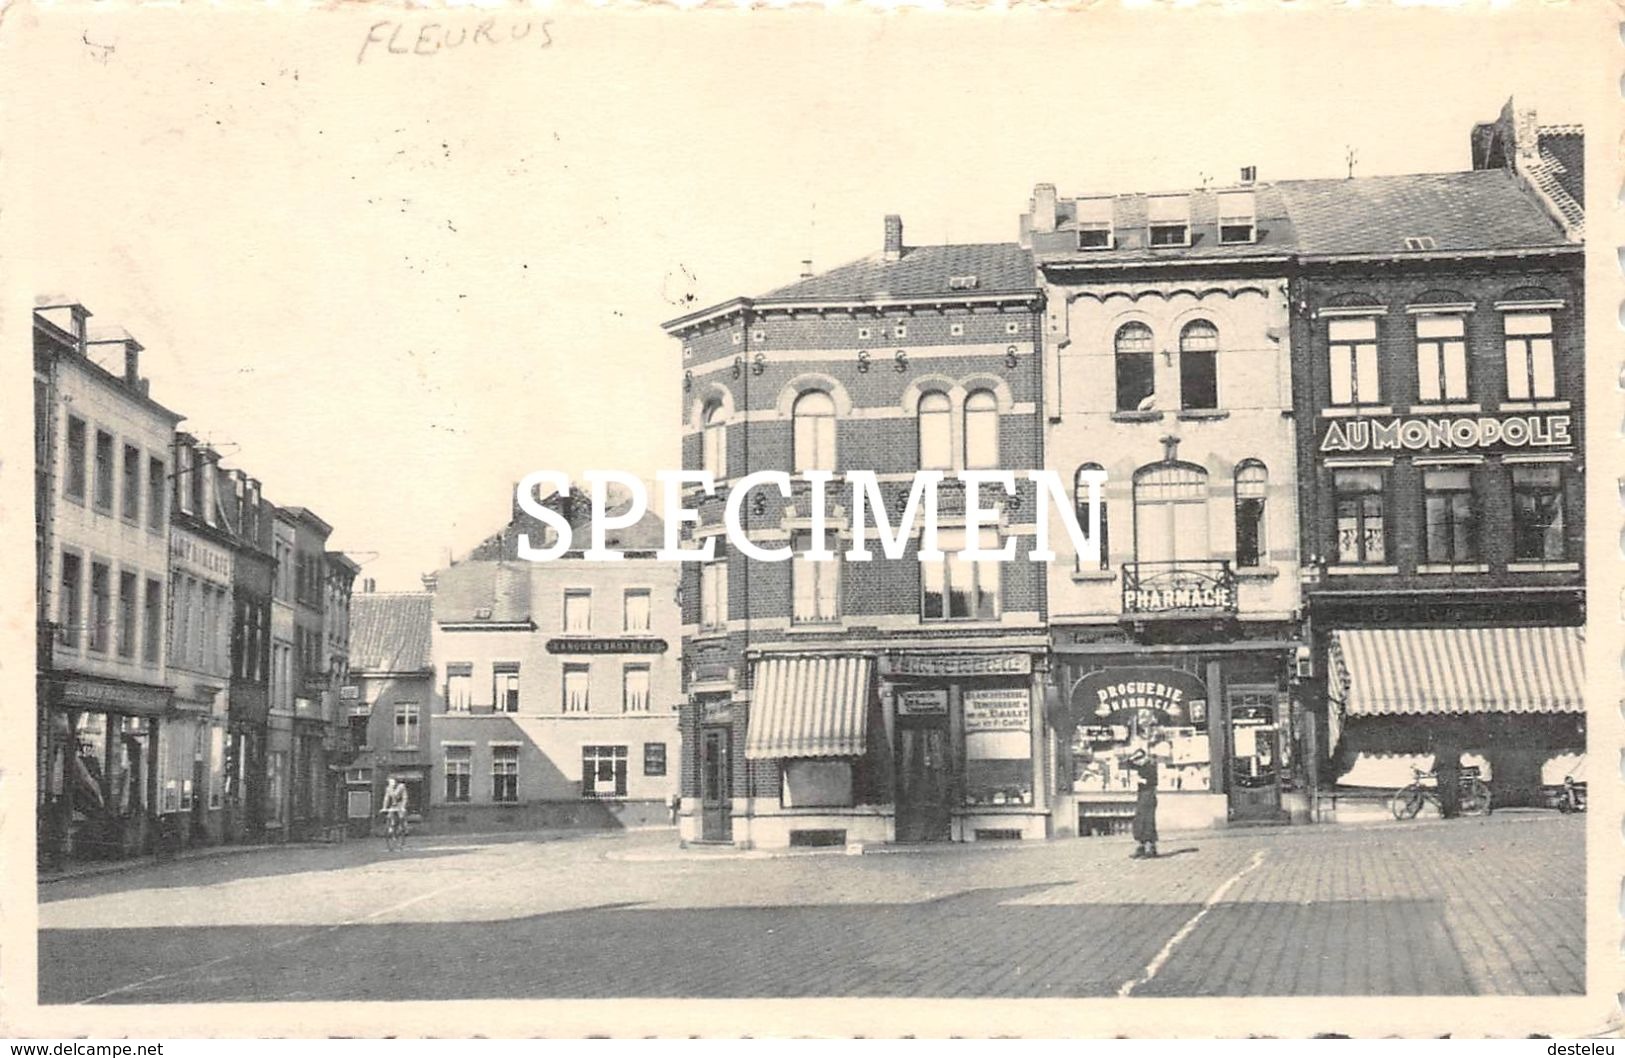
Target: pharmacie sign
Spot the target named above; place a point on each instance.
(1443, 432)
(1167, 695)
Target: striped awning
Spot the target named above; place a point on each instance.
(1389, 671)
(809, 707)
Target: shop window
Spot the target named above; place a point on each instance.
(1361, 516)
(1080, 499)
(1101, 750)
(998, 746)
(1136, 367)
(104, 470)
(459, 686)
(1537, 514)
(152, 631)
(1252, 489)
(714, 441)
(505, 686)
(635, 610)
(654, 759)
(69, 611)
(101, 606)
(714, 594)
(815, 586)
(936, 432)
(815, 783)
(981, 430)
(577, 689)
(1199, 366)
(1170, 514)
(156, 494)
(1353, 361)
(603, 771)
(635, 688)
(128, 608)
(1530, 358)
(813, 440)
(505, 774)
(406, 725)
(131, 508)
(74, 473)
(953, 588)
(1441, 358)
(459, 773)
(1452, 516)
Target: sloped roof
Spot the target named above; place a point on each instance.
(498, 592)
(389, 632)
(920, 272)
(1484, 209)
(1273, 227)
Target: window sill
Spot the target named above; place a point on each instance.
(1436, 568)
(1533, 405)
(1257, 572)
(1361, 571)
(1136, 416)
(1445, 407)
(1093, 576)
(1543, 567)
(705, 635)
(1349, 411)
(815, 626)
(1202, 415)
(961, 622)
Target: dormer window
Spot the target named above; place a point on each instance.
(1237, 217)
(1169, 218)
(961, 282)
(1420, 242)
(1094, 224)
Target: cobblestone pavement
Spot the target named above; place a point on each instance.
(1492, 906)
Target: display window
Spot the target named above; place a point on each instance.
(998, 746)
(1101, 752)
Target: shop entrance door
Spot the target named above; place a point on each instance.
(924, 783)
(1255, 756)
(716, 785)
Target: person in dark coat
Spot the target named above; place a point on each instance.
(1447, 766)
(1144, 766)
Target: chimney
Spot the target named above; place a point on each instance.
(894, 237)
(430, 580)
(369, 585)
(1525, 134)
(132, 355)
(806, 268)
(1249, 174)
(1044, 208)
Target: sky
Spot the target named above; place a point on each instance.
(390, 285)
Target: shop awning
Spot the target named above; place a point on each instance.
(809, 707)
(1413, 671)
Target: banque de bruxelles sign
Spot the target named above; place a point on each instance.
(1431, 433)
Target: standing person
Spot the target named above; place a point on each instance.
(1447, 769)
(1144, 765)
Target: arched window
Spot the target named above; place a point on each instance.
(936, 432)
(1080, 502)
(1170, 513)
(813, 443)
(714, 441)
(1199, 366)
(981, 430)
(1252, 490)
(1136, 367)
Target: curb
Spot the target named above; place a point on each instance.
(150, 862)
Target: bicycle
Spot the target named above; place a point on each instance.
(1473, 796)
(394, 830)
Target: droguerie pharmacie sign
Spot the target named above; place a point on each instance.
(864, 502)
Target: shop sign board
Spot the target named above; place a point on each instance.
(997, 709)
(956, 664)
(1433, 433)
(129, 699)
(616, 645)
(932, 702)
(1173, 696)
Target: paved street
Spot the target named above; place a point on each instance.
(1492, 906)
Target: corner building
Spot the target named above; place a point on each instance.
(841, 702)
(1166, 365)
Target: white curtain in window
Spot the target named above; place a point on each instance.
(936, 432)
(981, 430)
(814, 435)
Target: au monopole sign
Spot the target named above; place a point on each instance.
(1431, 433)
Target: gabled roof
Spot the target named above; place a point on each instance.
(1480, 210)
(920, 272)
(389, 632)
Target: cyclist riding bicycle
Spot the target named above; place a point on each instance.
(394, 811)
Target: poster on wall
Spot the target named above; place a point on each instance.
(998, 709)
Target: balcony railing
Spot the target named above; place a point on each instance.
(1180, 588)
